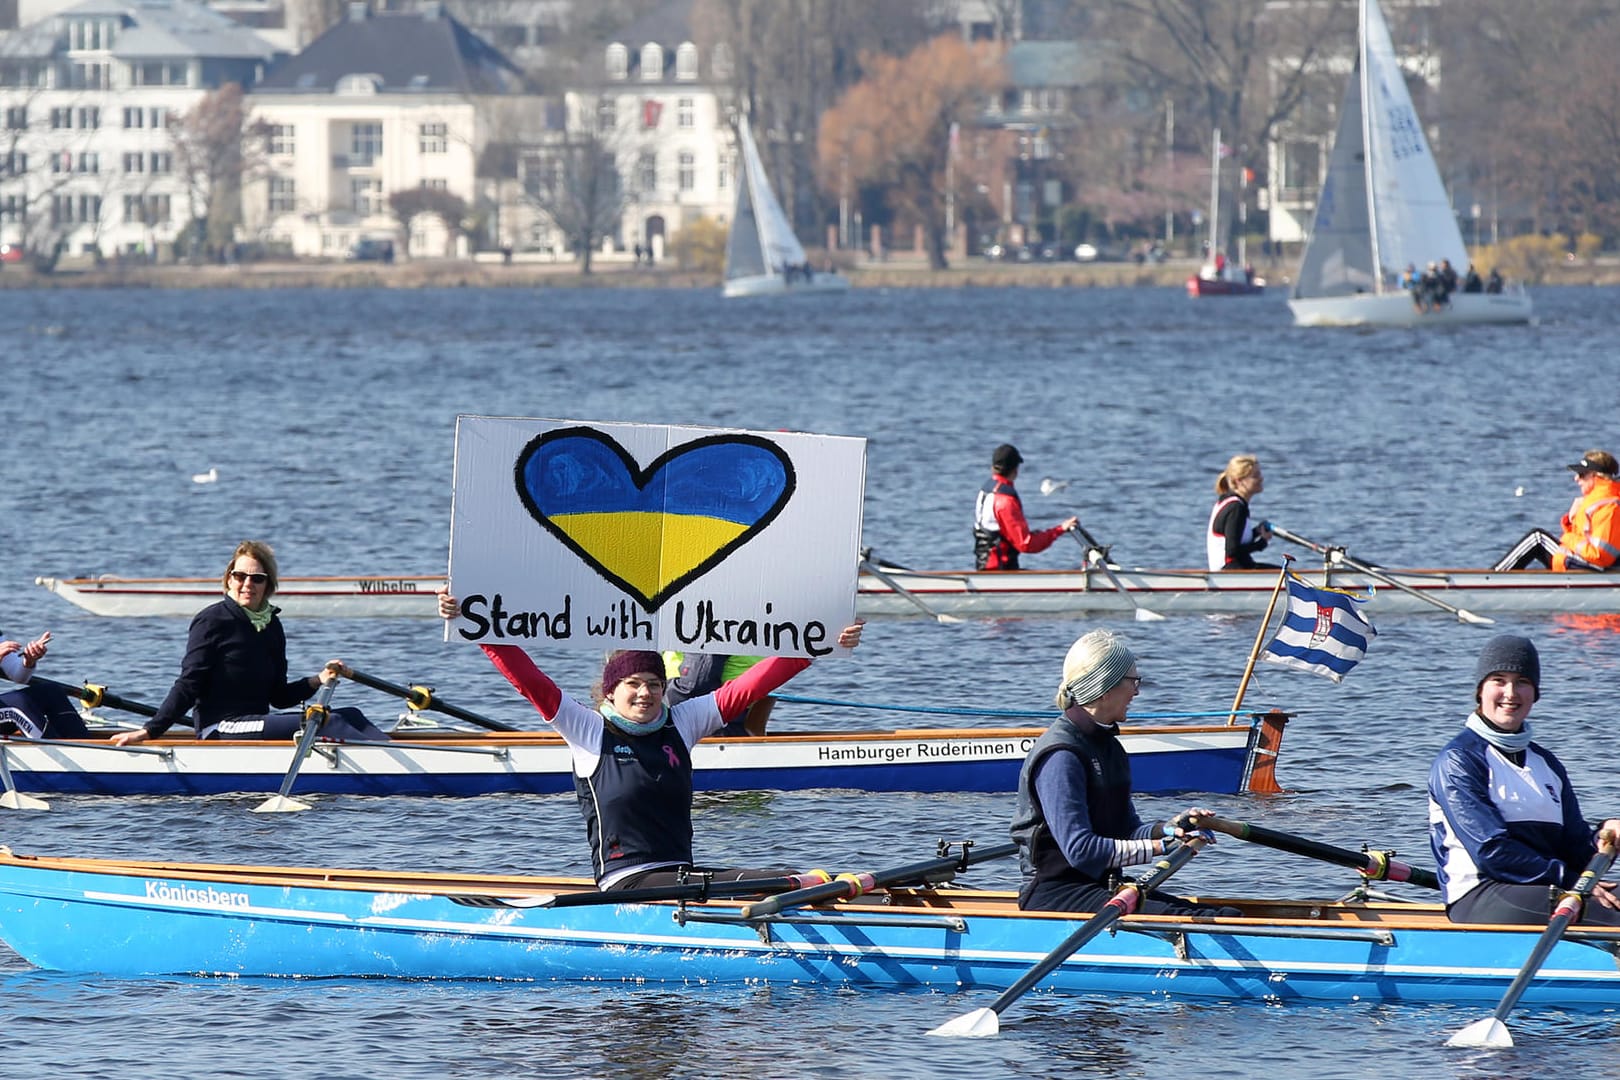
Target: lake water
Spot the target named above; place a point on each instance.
(330, 417)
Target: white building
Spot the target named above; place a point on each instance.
(664, 111)
(379, 104)
(88, 162)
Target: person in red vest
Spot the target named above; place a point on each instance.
(1000, 531)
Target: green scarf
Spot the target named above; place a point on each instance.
(261, 617)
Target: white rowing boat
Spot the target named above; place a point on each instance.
(983, 594)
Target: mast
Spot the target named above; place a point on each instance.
(1367, 148)
(1214, 194)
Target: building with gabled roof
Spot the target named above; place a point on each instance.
(89, 98)
(383, 102)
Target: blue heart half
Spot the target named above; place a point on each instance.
(652, 531)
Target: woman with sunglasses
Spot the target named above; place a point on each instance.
(1076, 825)
(235, 668)
(632, 754)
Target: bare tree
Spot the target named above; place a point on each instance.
(423, 201)
(574, 183)
(215, 147)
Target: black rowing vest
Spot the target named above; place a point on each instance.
(1108, 800)
(638, 802)
(987, 538)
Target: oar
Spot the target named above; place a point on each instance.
(14, 799)
(1339, 553)
(901, 590)
(691, 890)
(849, 886)
(422, 697)
(1376, 865)
(1491, 1031)
(982, 1023)
(315, 714)
(1142, 613)
(94, 695)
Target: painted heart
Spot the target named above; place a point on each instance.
(652, 531)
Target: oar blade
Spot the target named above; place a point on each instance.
(280, 804)
(978, 1024)
(1489, 1033)
(1144, 615)
(16, 800)
(1478, 620)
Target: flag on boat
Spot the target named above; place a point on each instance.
(1322, 633)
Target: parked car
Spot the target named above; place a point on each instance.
(12, 253)
(372, 251)
(1086, 253)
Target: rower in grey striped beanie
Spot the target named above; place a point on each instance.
(1094, 666)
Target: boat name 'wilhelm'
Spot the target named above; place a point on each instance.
(380, 585)
(185, 894)
(703, 629)
(925, 751)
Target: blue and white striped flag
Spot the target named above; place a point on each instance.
(1322, 633)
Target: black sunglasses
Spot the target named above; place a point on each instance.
(240, 576)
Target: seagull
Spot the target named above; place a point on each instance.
(1050, 486)
(208, 477)
(1518, 492)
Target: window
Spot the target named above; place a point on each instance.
(135, 163)
(607, 114)
(88, 77)
(61, 209)
(283, 195)
(134, 208)
(686, 61)
(647, 171)
(618, 61)
(722, 173)
(89, 207)
(15, 164)
(652, 62)
(17, 118)
(688, 170)
(146, 210)
(435, 138)
(162, 161)
(62, 163)
(134, 117)
(281, 139)
(89, 163)
(90, 118)
(365, 143)
(683, 112)
(365, 195)
(436, 185)
(13, 208)
(61, 118)
(158, 118)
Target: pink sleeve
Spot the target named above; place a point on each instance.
(735, 697)
(521, 671)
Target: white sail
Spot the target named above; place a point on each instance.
(1411, 211)
(774, 247)
(1339, 260)
(1382, 208)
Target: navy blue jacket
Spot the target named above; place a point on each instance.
(230, 670)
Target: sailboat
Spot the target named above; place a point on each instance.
(1383, 209)
(1219, 277)
(763, 257)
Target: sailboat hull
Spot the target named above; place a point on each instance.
(1397, 309)
(777, 285)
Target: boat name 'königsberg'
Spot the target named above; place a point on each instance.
(185, 894)
(927, 751)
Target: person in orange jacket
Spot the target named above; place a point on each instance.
(1591, 537)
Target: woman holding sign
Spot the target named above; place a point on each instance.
(632, 753)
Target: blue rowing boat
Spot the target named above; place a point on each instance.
(133, 918)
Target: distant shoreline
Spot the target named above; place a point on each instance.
(897, 273)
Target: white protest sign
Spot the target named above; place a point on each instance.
(607, 535)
